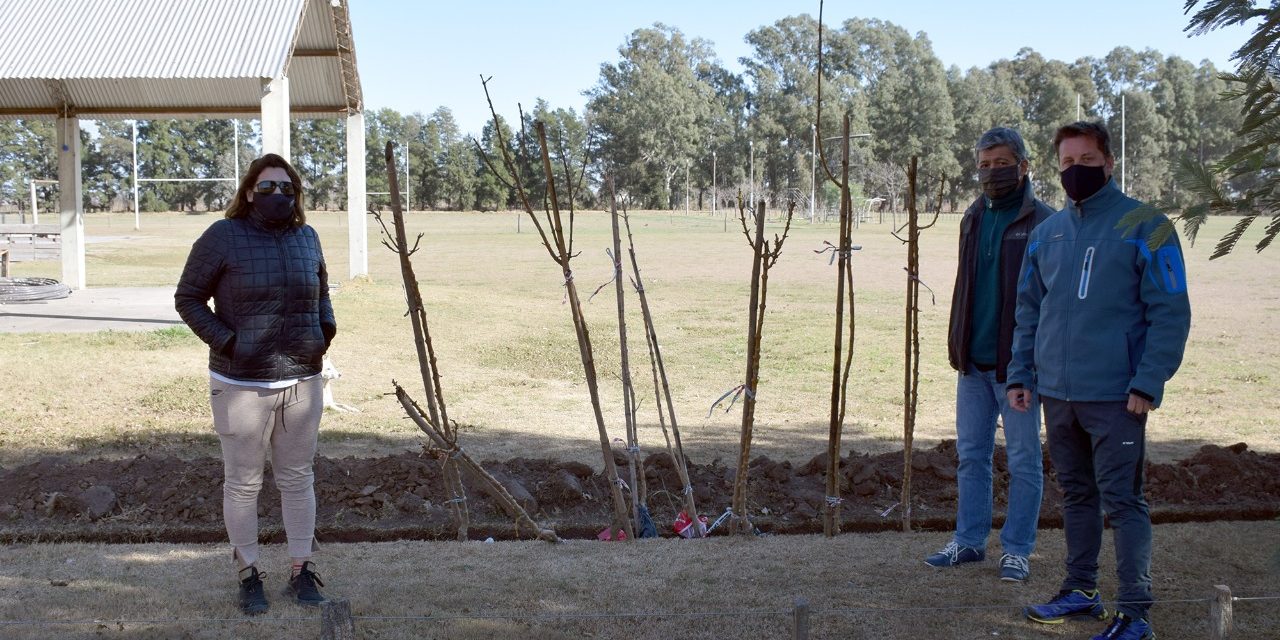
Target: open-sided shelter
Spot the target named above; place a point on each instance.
(145, 59)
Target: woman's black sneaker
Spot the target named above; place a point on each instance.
(302, 587)
(253, 598)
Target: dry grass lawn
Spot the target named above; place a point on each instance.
(859, 586)
(510, 361)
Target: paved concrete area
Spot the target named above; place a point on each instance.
(94, 309)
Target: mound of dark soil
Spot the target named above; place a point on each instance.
(402, 496)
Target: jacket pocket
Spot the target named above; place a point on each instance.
(1170, 273)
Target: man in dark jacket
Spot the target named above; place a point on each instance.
(993, 238)
(1102, 321)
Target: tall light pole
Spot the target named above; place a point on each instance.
(686, 187)
(1124, 164)
(714, 197)
(752, 145)
(813, 173)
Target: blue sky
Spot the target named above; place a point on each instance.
(419, 55)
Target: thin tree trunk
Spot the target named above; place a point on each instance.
(912, 343)
(426, 351)
(741, 524)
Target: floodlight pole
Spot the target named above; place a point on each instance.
(714, 195)
(813, 173)
(1124, 164)
(752, 145)
(235, 147)
(137, 217)
(686, 187)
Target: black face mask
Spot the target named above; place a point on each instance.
(998, 182)
(1082, 181)
(273, 210)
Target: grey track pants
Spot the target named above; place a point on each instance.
(250, 422)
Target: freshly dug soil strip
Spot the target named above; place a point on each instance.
(399, 497)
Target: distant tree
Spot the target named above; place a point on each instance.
(653, 111)
(910, 107)
(318, 153)
(980, 100)
(492, 192)
(27, 151)
(106, 167)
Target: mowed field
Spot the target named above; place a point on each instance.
(510, 361)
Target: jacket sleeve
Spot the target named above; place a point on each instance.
(1031, 291)
(1163, 293)
(328, 322)
(199, 280)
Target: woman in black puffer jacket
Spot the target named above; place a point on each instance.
(268, 331)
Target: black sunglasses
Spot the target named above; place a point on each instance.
(268, 186)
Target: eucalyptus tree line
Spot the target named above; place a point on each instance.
(670, 120)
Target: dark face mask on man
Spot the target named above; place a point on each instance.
(1081, 181)
(998, 182)
(273, 209)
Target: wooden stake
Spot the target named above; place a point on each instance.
(1220, 613)
(335, 620)
(800, 619)
(676, 449)
(628, 390)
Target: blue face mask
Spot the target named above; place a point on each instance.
(274, 209)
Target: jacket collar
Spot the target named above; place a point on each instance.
(1105, 198)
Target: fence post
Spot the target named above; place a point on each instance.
(335, 620)
(1220, 612)
(802, 618)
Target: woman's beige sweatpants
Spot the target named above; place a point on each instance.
(251, 421)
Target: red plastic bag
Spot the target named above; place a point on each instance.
(684, 525)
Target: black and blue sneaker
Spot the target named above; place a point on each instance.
(1075, 603)
(1123, 627)
(954, 554)
(302, 587)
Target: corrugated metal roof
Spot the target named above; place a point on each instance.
(147, 55)
(147, 38)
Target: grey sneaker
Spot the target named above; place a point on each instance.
(1014, 568)
(954, 554)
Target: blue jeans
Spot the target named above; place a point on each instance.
(979, 401)
(1099, 452)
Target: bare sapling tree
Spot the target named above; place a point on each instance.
(638, 491)
(557, 239)
(765, 254)
(844, 299)
(661, 387)
(435, 420)
(911, 335)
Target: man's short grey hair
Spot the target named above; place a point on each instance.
(1005, 136)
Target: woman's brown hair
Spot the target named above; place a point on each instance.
(240, 206)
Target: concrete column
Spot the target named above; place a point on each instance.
(356, 224)
(70, 202)
(275, 116)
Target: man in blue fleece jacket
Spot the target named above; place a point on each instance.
(1101, 323)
